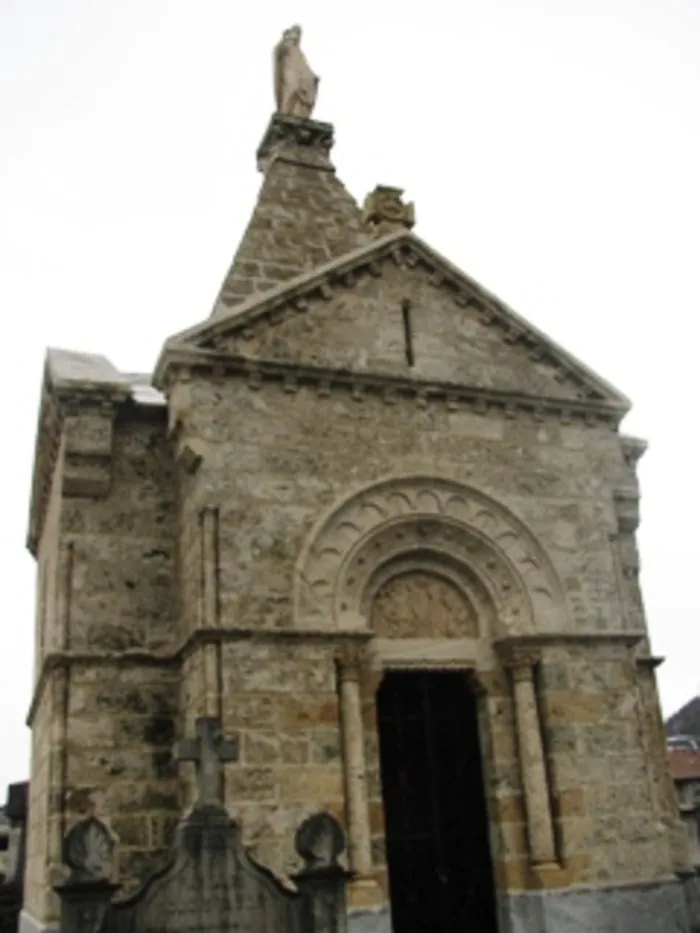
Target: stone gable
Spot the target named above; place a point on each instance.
(397, 309)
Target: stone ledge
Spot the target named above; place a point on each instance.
(58, 660)
(291, 377)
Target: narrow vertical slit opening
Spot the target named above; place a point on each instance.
(407, 331)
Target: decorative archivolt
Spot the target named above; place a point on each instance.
(440, 525)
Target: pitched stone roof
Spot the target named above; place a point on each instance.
(303, 218)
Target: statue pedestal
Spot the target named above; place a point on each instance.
(298, 140)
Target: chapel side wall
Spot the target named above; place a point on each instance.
(47, 636)
(35, 872)
(287, 457)
(122, 698)
(124, 585)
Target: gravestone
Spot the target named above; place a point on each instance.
(11, 890)
(209, 884)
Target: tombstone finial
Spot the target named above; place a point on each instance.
(319, 841)
(209, 751)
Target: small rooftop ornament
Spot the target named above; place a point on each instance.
(385, 212)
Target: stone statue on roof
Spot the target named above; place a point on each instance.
(296, 86)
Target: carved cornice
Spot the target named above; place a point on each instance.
(291, 377)
(297, 140)
(521, 654)
(407, 251)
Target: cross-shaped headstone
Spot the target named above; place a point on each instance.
(209, 752)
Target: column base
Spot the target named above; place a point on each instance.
(27, 924)
(634, 908)
(365, 893)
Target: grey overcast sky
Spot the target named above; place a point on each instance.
(552, 148)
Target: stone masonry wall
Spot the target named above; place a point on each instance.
(38, 820)
(280, 699)
(273, 468)
(121, 728)
(597, 739)
(124, 593)
(286, 457)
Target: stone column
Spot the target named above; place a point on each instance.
(350, 662)
(210, 608)
(521, 662)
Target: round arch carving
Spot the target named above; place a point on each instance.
(432, 521)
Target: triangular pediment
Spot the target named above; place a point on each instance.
(397, 309)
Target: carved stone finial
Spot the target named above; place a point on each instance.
(87, 850)
(209, 751)
(319, 841)
(384, 211)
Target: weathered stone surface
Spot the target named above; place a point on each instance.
(420, 604)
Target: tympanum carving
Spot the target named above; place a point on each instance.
(422, 605)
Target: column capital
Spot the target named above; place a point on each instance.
(520, 657)
(352, 661)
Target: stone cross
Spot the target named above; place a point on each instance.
(209, 752)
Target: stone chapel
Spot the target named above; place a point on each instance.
(377, 532)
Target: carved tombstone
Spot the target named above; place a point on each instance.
(209, 884)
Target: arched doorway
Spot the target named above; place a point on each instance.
(436, 822)
(435, 816)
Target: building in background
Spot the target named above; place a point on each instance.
(683, 730)
(4, 843)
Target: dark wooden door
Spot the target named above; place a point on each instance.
(440, 870)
